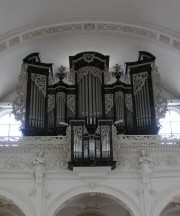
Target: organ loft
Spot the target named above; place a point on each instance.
(90, 107)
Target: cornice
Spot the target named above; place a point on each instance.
(17, 39)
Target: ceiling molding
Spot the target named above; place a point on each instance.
(136, 31)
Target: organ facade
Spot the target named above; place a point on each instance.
(90, 108)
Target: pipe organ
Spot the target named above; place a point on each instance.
(90, 107)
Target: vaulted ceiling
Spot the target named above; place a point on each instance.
(60, 28)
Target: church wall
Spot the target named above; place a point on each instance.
(145, 179)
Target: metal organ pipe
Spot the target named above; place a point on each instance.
(90, 96)
(119, 104)
(31, 107)
(60, 108)
(37, 103)
(94, 96)
(142, 105)
(38, 109)
(148, 103)
(89, 100)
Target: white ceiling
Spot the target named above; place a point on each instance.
(152, 26)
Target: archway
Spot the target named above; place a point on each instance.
(15, 203)
(173, 208)
(93, 203)
(168, 204)
(9, 208)
(113, 195)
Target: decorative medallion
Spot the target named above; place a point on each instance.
(88, 57)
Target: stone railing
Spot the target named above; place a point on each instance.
(57, 141)
(133, 140)
(33, 141)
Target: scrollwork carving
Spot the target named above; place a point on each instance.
(88, 57)
(108, 103)
(105, 130)
(40, 82)
(128, 102)
(159, 100)
(118, 95)
(78, 131)
(169, 161)
(139, 81)
(51, 102)
(71, 102)
(92, 70)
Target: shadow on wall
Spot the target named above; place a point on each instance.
(7, 207)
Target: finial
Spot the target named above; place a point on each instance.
(61, 74)
(118, 72)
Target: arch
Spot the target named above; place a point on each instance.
(20, 202)
(154, 34)
(115, 193)
(164, 200)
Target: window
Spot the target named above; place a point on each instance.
(170, 125)
(8, 125)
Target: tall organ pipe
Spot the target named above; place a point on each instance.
(60, 109)
(90, 97)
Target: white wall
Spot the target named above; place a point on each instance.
(59, 184)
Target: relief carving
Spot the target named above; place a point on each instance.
(145, 170)
(39, 173)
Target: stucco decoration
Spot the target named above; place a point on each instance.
(3, 46)
(39, 173)
(170, 161)
(14, 162)
(145, 169)
(121, 162)
(18, 38)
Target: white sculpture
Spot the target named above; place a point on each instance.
(39, 173)
(146, 165)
